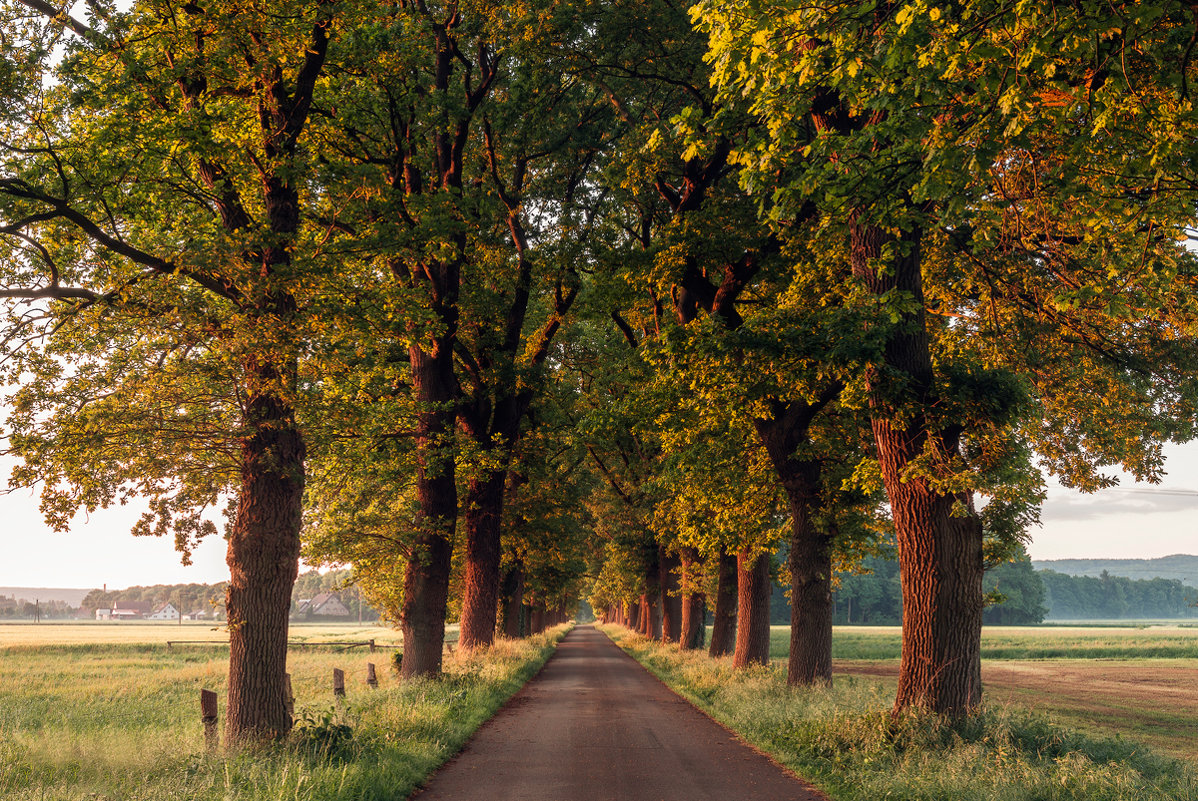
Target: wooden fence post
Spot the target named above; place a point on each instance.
(371, 679)
(288, 697)
(208, 714)
(372, 646)
(338, 682)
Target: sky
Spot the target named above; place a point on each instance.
(1134, 521)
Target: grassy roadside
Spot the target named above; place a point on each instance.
(843, 740)
(122, 722)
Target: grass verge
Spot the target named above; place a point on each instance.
(844, 740)
(124, 724)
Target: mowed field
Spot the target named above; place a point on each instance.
(1140, 683)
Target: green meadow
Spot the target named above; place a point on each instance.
(106, 712)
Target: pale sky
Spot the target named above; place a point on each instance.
(1135, 521)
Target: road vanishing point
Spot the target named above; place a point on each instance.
(594, 725)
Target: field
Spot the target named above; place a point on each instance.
(106, 711)
(1140, 683)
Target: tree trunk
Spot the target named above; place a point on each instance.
(633, 620)
(940, 556)
(723, 627)
(426, 577)
(512, 601)
(694, 604)
(483, 514)
(671, 601)
(694, 630)
(263, 559)
(536, 623)
(810, 563)
(753, 609)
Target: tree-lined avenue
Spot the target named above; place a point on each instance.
(595, 725)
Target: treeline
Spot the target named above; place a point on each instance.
(1108, 597)
(187, 598)
(210, 598)
(1017, 594)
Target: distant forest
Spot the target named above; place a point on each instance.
(191, 597)
(1018, 595)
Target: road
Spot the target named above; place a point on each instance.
(596, 726)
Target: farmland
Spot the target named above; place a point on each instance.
(108, 711)
(1140, 683)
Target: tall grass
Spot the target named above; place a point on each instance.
(845, 740)
(122, 722)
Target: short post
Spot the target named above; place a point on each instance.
(338, 682)
(371, 679)
(208, 714)
(288, 697)
(372, 646)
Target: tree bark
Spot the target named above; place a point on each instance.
(810, 563)
(753, 610)
(671, 600)
(263, 559)
(483, 516)
(723, 629)
(694, 605)
(426, 577)
(512, 601)
(810, 558)
(940, 556)
(633, 617)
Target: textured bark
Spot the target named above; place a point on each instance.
(723, 628)
(512, 601)
(671, 600)
(263, 559)
(810, 559)
(483, 515)
(694, 630)
(753, 610)
(940, 556)
(810, 563)
(633, 616)
(694, 604)
(536, 623)
(426, 576)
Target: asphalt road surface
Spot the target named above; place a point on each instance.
(596, 726)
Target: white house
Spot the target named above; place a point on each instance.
(166, 611)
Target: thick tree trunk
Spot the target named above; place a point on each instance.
(694, 604)
(512, 601)
(483, 515)
(723, 627)
(536, 623)
(426, 577)
(810, 563)
(263, 559)
(940, 556)
(694, 630)
(671, 600)
(633, 618)
(753, 610)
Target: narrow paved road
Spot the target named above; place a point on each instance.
(596, 726)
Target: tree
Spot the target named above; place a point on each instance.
(843, 92)
(153, 213)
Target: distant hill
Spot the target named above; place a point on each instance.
(72, 596)
(1180, 567)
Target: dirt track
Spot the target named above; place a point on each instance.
(595, 726)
